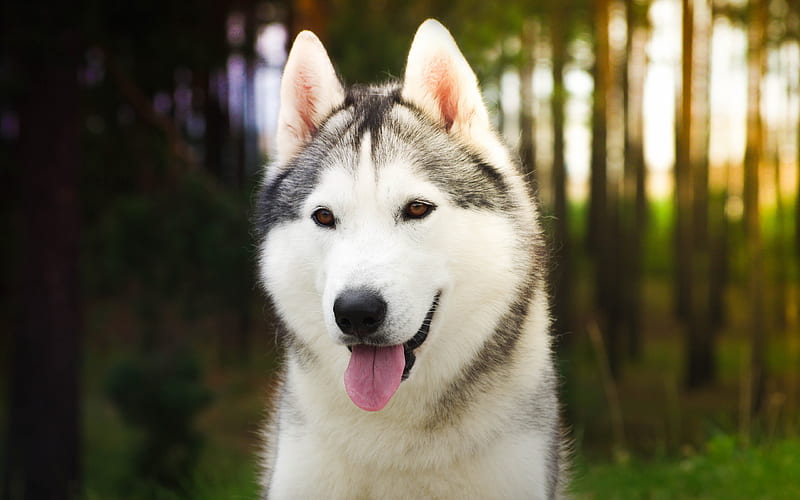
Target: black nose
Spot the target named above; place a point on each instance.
(359, 312)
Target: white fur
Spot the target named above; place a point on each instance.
(479, 261)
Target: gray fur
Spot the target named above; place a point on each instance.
(471, 181)
(401, 132)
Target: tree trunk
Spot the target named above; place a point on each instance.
(561, 271)
(634, 201)
(752, 225)
(794, 18)
(718, 272)
(797, 191)
(598, 207)
(216, 125)
(683, 180)
(603, 231)
(700, 367)
(781, 257)
(44, 410)
(718, 278)
(527, 143)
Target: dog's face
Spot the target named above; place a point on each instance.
(383, 209)
(368, 232)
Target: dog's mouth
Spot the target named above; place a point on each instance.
(375, 372)
(419, 338)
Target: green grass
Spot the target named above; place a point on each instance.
(724, 470)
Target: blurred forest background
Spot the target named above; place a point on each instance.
(137, 353)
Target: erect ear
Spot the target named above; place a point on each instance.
(309, 91)
(440, 81)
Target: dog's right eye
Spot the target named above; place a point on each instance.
(324, 217)
(418, 209)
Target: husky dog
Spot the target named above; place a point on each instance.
(403, 254)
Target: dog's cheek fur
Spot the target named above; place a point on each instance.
(288, 273)
(478, 246)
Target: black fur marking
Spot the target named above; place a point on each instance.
(491, 174)
(419, 338)
(497, 352)
(494, 356)
(280, 200)
(370, 106)
(453, 166)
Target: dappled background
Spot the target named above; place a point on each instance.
(662, 138)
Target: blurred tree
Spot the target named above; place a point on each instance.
(694, 199)
(602, 234)
(161, 394)
(756, 66)
(793, 27)
(601, 71)
(682, 169)
(778, 271)
(719, 233)
(85, 81)
(527, 142)
(561, 276)
(781, 241)
(207, 76)
(633, 206)
(720, 254)
(43, 446)
(352, 32)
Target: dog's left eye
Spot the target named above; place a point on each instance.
(324, 217)
(417, 209)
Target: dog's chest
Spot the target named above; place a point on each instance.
(365, 466)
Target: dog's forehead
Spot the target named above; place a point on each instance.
(383, 185)
(399, 135)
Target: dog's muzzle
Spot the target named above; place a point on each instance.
(376, 369)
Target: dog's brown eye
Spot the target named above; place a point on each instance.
(324, 217)
(417, 209)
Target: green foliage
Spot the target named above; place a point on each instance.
(161, 395)
(658, 247)
(724, 470)
(225, 464)
(191, 245)
(482, 29)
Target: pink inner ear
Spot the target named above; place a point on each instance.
(443, 86)
(306, 102)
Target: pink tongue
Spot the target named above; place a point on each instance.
(373, 375)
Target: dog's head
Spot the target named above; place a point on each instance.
(385, 204)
